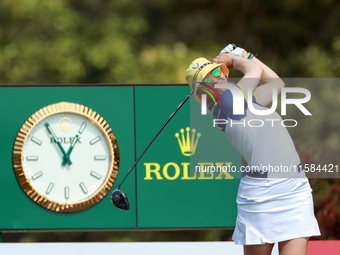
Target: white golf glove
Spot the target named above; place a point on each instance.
(231, 48)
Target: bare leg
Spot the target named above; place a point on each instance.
(296, 246)
(261, 249)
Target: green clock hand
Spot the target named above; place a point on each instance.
(50, 130)
(70, 150)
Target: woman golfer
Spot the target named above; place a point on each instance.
(274, 200)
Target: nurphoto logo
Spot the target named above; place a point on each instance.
(239, 105)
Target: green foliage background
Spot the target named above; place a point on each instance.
(150, 41)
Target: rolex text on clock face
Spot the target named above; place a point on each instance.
(68, 159)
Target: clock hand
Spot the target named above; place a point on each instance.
(50, 130)
(70, 150)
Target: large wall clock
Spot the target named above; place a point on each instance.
(66, 157)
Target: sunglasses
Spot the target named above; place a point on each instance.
(216, 73)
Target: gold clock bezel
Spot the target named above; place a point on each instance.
(99, 122)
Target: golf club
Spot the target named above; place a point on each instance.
(118, 197)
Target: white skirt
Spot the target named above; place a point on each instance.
(272, 210)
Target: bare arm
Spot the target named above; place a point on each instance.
(252, 71)
(269, 80)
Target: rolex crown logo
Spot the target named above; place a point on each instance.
(65, 123)
(188, 145)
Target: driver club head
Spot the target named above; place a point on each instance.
(120, 200)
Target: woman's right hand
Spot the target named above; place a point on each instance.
(225, 58)
(252, 71)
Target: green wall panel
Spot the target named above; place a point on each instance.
(167, 198)
(172, 197)
(115, 104)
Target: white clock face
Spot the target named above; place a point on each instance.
(48, 170)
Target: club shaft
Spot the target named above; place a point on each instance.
(160, 130)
